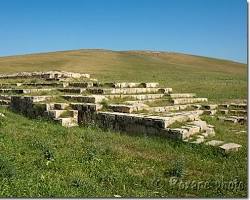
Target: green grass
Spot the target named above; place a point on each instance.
(41, 159)
(66, 113)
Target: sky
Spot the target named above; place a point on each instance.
(213, 28)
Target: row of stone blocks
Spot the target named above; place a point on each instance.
(45, 75)
(89, 84)
(118, 121)
(131, 123)
(85, 84)
(102, 91)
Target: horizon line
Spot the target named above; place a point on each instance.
(128, 50)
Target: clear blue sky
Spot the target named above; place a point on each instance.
(214, 28)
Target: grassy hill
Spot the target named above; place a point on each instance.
(39, 158)
(208, 77)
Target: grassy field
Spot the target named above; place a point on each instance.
(213, 78)
(39, 158)
(43, 159)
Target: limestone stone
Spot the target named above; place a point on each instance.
(178, 133)
(46, 75)
(150, 85)
(182, 95)
(229, 147)
(188, 100)
(81, 84)
(67, 122)
(85, 99)
(136, 96)
(165, 90)
(199, 123)
(191, 130)
(72, 90)
(239, 105)
(196, 106)
(86, 107)
(210, 107)
(223, 106)
(61, 106)
(214, 142)
(238, 112)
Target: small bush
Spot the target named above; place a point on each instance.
(7, 170)
(178, 169)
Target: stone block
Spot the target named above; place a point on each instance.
(214, 142)
(230, 147)
(182, 95)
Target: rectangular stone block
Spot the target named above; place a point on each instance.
(230, 147)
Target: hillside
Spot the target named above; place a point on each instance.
(125, 149)
(213, 78)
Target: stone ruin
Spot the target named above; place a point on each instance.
(74, 99)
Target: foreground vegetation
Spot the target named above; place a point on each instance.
(41, 159)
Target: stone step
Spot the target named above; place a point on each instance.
(67, 122)
(59, 113)
(195, 128)
(223, 106)
(233, 119)
(209, 106)
(142, 123)
(26, 91)
(130, 85)
(72, 90)
(128, 90)
(238, 106)
(86, 107)
(127, 108)
(81, 84)
(56, 106)
(210, 112)
(182, 95)
(188, 100)
(85, 99)
(55, 84)
(46, 75)
(238, 112)
(140, 101)
(223, 146)
(161, 109)
(136, 96)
